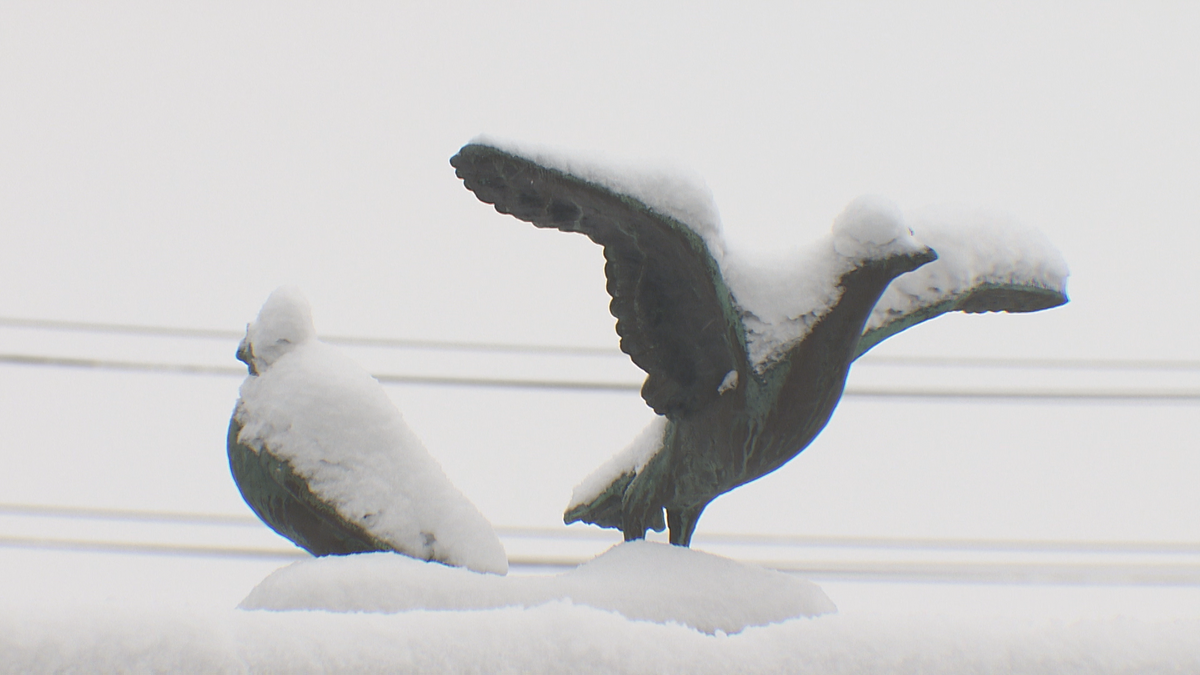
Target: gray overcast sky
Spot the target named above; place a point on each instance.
(172, 163)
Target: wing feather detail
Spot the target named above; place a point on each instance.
(675, 314)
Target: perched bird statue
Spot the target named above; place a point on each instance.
(744, 366)
(325, 459)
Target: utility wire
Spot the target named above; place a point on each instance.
(229, 335)
(194, 369)
(111, 364)
(1099, 396)
(148, 548)
(596, 534)
(567, 350)
(1092, 573)
(953, 544)
(1174, 562)
(1096, 573)
(134, 515)
(129, 329)
(1033, 363)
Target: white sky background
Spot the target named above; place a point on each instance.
(171, 164)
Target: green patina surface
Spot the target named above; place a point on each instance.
(282, 499)
(678, 322)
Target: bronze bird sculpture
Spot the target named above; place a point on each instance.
(740, 393)
(322, 455)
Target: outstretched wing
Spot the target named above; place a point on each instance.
(986, 263)
(983, 297)
(675, 315)
(283, 501)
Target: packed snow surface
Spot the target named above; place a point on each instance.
(640, 580)
(781, 299)
(628, 461)
(333, 423)
(562, 637)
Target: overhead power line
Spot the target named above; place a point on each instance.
(1097, 396)
(1034, 363)
(148, 548)
(230, 335)
(569, 350)
(384, 378)
(953, 544)
(1111, 396)
(1034, 546)
(1036, 572)
(125, 328)
(134, 515)
(111, 364)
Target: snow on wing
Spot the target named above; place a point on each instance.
(983, 297)
(675, 315)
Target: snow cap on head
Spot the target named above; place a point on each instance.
(872, 227)
(284, 322)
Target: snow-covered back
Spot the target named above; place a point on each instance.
(871, 227)
(284, 322)
(628, 461)
(333, 423)
(781, 299)
(640, 580)
(974, 247)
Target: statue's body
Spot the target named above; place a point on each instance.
(752, 429)
(321, 454)
(281, 498)
(730, 419)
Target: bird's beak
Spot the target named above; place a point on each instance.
(926, 256)
(245, 353)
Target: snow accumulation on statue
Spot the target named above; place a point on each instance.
(745, 363)
(322, 455)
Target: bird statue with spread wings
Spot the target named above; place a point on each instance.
(744, 366)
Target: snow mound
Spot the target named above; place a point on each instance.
(628, 461)
(871, 227)
(781, 298)
(284, 321)
(640, 580)
(561, 637)
(333, 423)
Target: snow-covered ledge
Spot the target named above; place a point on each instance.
(561, 637)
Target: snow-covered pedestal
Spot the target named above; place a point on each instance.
(640, 580)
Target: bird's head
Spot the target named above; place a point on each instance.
(284, 322)
(872, 228)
